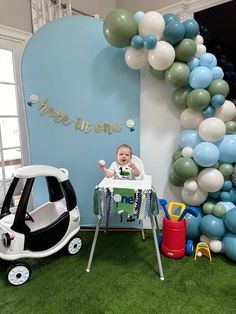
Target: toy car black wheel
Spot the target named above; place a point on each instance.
(18, 273)
(74, 245)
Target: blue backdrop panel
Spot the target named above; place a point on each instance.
(69, 62)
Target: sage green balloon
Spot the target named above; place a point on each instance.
(178, 74)
(119, 27)
(179, 97)
(219, 87)
(176, 181)
(185, 50)
(160, 75)
(219, 210)
(208, 208)
(226, 169)
(230, 127)
(198, 99)
(185, 168)
(176, 155)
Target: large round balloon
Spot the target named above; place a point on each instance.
(212, 129)
(189, 138)
(136, 59)
(179, 97)
(178, 74)
(194, 198)
(174, 179)
(210, 179)
(198, 99)
(219, 87)
(206, 154)
(200, 77)
(190, 118)
(212, 226)
(119, 27)
(208, 60)
(226, 112)
(229, 245)
(162, 56)
(174, 32)
(185, 50)
(191, 28)
(230, 220)
(185, 168)
(227, 149)
(151, 22)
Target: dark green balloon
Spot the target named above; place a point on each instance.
(226, 169)
(176, 181)
(185, 168)
(160, 75)
(185, 50)
(219, 87)
(178, 74)
(230, 127)
(176, 155)
(119, 27)
(198, 99)
(179, 97)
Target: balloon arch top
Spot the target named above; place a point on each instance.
(205, 164)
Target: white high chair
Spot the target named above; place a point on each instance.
(142, 183)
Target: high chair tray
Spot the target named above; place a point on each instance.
(144, 184)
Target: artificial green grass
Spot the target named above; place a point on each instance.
(124, 278)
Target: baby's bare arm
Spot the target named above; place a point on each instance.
(135, 170)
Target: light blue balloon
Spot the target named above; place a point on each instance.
(191, 28)
(150, 42)
(208, 112)
(189, 138)
(137, 42)
(217, 73)
(138, 15)
(217, 100)
(227, 205)
(208, 60)
(206, 154)
(193, 63)
(174, 32)
(227, 148)
(169, 17)
(200, 77)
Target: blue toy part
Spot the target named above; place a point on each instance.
(189, 247)
(159, 239)
(163, 203)
(189, 209)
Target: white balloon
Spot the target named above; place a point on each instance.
(190, 119)
(226, 112)
(216, 246)
(210, 179)
(201, 49)
(194, 198)
(153, 23)
(187, 152)
(190, 185)
(212, 129)
(136, 59)
(205, 239)
(199, 39)
(162, 57)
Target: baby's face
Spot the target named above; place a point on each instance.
(123, 156)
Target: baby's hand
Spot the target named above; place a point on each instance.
(101, 164)
(131, 165)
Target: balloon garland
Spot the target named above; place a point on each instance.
(204, 165)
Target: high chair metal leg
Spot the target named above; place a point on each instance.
(94, 243)
(157, 248)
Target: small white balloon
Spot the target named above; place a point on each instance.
(212, 129)
(201, 49)
(210, 180)
(190, 185)
(151, 22)
(215, 246)
(190, 119)
(162, 57)
(226, 112)
(187, 152)
(199, 39)
(136, 59)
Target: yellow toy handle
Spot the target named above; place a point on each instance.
(172, 205)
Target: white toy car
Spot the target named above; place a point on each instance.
(44, 231)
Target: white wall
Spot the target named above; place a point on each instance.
(100, 7)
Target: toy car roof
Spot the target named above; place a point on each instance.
(41, 170)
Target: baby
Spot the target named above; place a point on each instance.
(123, 167)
